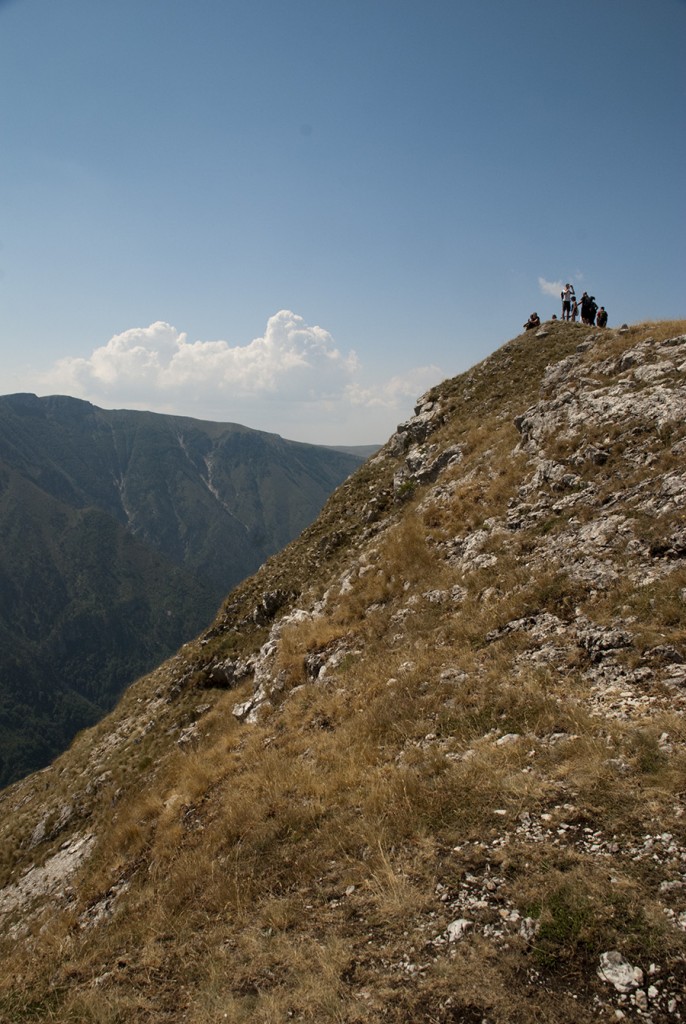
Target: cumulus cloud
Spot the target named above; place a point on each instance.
(290, 357)
(293, 380)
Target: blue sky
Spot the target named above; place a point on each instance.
(301, 214)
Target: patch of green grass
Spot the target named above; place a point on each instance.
(565, 919)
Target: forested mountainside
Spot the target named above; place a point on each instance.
(120, 534)
(427, 764)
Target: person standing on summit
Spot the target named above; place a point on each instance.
(585, 308)
(568, 297)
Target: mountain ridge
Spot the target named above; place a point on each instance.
(122, 532)
(427, 763)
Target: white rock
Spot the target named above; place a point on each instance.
(615, 969)
(457, 928)
(510, 737)
(641, 999)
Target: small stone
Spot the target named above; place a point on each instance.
(641, 999)
(509, 737)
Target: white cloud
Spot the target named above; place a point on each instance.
(293, 380)
(397, 391)
(550, 287)
(555, 287)
(291, 357)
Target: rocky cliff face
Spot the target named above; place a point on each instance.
(428, 763)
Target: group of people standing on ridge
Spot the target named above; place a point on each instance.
(586, 308)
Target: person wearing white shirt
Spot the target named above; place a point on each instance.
(567, 295)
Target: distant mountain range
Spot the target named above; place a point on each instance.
(120, 533)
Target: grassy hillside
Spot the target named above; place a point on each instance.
(428, 763)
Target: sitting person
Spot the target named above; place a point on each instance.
(601, 317)
(533, 321)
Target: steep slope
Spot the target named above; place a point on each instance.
(428, 763)
(121, 533)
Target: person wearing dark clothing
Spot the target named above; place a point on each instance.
(533, 321)
(601, 317)
(592, 310)
(585, 308)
